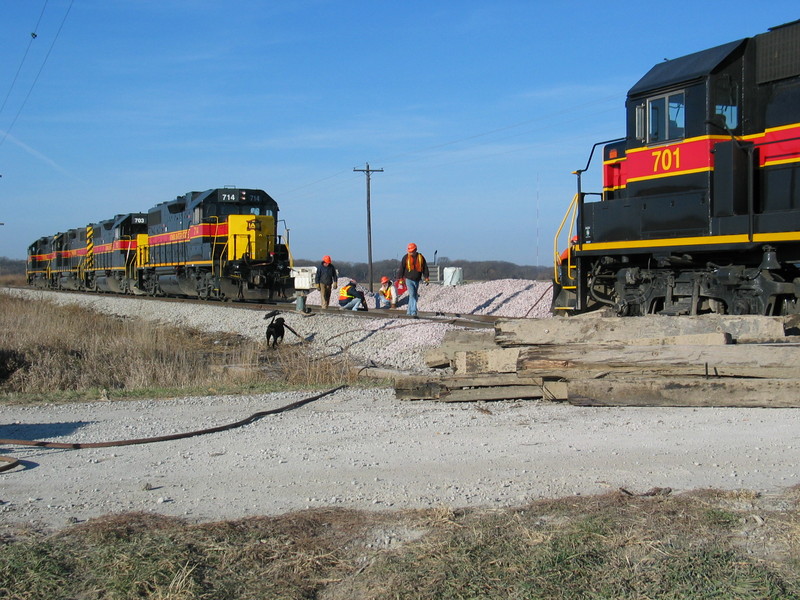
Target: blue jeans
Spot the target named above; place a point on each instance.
(354, 304)
(413, 294)
(381, 301)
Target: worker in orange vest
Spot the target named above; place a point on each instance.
(386, 296)
(351, 298)
(413, 269)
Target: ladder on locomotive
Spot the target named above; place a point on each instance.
(564, 271)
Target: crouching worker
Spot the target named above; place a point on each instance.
(350, 298)
(386, 296)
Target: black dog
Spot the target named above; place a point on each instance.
(275, 331)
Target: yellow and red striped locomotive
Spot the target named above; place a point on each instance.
(221, 243)
(700, 207)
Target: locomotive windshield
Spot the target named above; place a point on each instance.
(235, 208)
(221, 203)
(666, 118)
(726, 102)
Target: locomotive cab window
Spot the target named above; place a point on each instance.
(726, 103)
(662, 119)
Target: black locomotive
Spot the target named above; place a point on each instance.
(221, 243)
(700, 208)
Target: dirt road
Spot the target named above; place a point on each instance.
(365, 449)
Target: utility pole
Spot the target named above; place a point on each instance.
(369, 172)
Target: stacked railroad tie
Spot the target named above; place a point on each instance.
(708, 360)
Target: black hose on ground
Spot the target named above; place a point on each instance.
(11, 463)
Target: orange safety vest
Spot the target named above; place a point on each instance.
(387, 293)
(415, 265)
(345, 292)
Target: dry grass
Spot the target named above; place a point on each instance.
(613, 546)
(50, 352)
(12, 280)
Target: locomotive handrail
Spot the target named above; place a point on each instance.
(214, 245)
(591, 154)
(130, 265)
(221, 257)
(579, 173)
(573, 211)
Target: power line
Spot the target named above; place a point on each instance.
(541, 118)
(305, 185)
(418, 154)
(34, 35)
(39, 72)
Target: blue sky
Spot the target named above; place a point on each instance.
(478, 112)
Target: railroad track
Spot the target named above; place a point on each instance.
(460, 319)
(476, 321)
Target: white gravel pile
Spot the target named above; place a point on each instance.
(394, 343)
(501, 298)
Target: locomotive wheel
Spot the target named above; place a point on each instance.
(206, 290)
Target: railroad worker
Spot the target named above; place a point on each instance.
(386, 296)
(326, 280)
(413, 269)
(350, 298)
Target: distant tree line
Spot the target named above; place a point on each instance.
(473, 270)
(10, 266)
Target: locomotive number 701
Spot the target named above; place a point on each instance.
(666, 159)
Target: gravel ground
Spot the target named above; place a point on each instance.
(366, 449)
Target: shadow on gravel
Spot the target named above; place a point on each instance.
(40, 431)
(509, 298)
(367, 334)
(486, 304)
(22, 465)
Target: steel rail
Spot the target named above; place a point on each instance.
(11, 462)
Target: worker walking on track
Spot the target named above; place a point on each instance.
(413, 268)
(326, 279)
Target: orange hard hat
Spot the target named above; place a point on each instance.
(326, 259)
(384, 279)
(412, 247)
